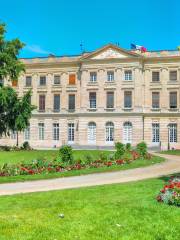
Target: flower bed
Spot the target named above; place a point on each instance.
(170, 194)
(44, 166)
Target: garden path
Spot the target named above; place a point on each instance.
(171, 165)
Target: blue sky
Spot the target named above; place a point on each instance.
(59, 26)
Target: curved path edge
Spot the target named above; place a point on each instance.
(170, 166)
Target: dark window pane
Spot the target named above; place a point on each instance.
(110, 100)
(72, 102)
(127, 99)
(56, 102)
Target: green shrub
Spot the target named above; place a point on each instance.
(111, 157)
(127, 157)
(142, 149)
(120, 150)
(88, 158)
(66, 154)
(5, 148)
(26, 146)
(128, 147)
(102, 156)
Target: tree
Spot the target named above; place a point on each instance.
(14, 112)
(10, 66)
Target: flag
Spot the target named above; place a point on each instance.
(138, 47)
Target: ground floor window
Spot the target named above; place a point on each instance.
(41, 131)
(13, 134)
(91, 132)
(155, 133)
(172, 132)
(109, 132)
(71, 132)
(127, 132)
(55, 131)
(27, 133)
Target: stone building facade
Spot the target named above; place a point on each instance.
(99, 98)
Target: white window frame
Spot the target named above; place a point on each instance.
(109, 128)
(41, 127)
(128, 75)
(172, 128)
(71, 133)
(91, 132)
(155, 133)
(27, 133)
(110, 76)
(56, 131)
(127, 132)
(93, 76)
(13, 135)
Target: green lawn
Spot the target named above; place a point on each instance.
(119, 212)
(25, 156)
(171, 152)
(28, 156)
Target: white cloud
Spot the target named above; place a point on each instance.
(36, 49)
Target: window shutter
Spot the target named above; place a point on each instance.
(72, 79)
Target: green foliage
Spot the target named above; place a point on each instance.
(127, 157)
(88, 158)
(120, 150)
(10, 66)
(66, 154)
(15, 112)
(128, 147)
(26, 146)
(102, 156)
(142, 149)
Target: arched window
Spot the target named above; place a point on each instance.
(127, 132)
(109, 132)
(172, 132)
(91, 132)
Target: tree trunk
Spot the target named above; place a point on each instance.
(17, 139)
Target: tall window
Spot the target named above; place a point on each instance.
(127, 99)
(155, 76)
(155, 133)
(71, 132)
(71, 102)
(56, 102)
(128, 75)
(173, 75)
(109, 132)
(127, 132)
(155, 100)
(173, 99)
(28, 81)
(72, 79)
(92, 100)
(93, 76)
(91, 132)
(110, 100)
(172, 132)
(13, 134)
(42, 103)
(110, 76)
(41, 131)
(42, 81)
(55, 131)
(27, 133)
(57, 80)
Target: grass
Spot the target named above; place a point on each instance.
(171, 152)
(119, 211)
(25, 156)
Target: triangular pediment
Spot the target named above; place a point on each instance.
(110, 52)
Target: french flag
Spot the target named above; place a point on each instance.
(138, 47)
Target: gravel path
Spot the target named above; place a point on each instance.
(171, 165)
